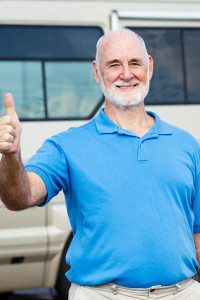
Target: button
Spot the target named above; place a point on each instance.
(114, 289)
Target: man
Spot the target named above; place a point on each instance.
(132, 184)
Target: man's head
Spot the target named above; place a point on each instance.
(123, 68)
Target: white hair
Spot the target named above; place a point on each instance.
(111, 33)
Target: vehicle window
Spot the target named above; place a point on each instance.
(24, 80)
(176, 74)
(71, 90)
(192, 64)
(48, 70)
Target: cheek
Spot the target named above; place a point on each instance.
(144, 76)
(110, 78)
(114, 76)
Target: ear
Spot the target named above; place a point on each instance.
(95, 71)
(150, 67)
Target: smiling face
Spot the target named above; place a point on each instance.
(124, 69)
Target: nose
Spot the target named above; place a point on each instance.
(126, 73)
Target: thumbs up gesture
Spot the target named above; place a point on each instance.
(10, 128)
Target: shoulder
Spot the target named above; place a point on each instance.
(185, 141)
(177, 133)
(182, 134)
(75, 134)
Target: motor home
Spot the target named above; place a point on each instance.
(46, 50)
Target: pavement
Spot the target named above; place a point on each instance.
(34, 294)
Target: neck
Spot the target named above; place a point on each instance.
(134, 118)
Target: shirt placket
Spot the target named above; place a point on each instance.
(142, 151)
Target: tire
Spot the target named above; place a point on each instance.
(6, 296)
(63, 284)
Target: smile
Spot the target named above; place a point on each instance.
(126, 86)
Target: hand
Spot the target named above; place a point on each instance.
(10, 128)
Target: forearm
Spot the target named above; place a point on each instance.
(15, 189)
(197, 247)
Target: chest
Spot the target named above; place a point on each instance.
(132, 164)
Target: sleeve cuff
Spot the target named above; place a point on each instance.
(45, 179)
(196, 229)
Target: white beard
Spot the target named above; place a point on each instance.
(124, 99)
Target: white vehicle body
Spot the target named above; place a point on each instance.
(32, 241)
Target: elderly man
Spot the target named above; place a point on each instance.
(132, 186)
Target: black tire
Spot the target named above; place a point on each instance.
(6, 296)
(63, 284)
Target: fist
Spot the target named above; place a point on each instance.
(10, 128)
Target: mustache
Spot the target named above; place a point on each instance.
(121, 83)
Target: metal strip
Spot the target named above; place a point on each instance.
(158, 15)
(151, 15)
(114, 20)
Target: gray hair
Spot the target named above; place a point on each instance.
(107, 35)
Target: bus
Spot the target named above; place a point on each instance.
(46, 50)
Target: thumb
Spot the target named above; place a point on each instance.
(9, 104)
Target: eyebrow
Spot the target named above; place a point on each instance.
(136, 60)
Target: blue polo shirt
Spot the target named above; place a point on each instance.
(133, 203)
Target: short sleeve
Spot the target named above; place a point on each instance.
(50, 164)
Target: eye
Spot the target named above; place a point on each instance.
(135, 63)
(115, 65)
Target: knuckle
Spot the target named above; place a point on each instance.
(6, 137)
(5, 146)
(7, 129)
(12, 138)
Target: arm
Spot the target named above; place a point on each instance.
(18, 189)
(197, 246)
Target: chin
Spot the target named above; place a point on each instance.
(125, 102)
(127, 105)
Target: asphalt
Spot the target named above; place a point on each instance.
(35, 294)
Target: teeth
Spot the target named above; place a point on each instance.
(125, 85)
(134, 84)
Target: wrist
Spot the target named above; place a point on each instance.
(11, 156)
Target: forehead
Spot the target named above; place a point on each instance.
(122, 46)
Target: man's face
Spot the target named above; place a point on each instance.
(125, 70)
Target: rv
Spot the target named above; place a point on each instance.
(46, 50)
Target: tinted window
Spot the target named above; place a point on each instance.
(176, 74)
(71, 90)
(192, 64)
(48, 42)
(24, 81)
(48, 70)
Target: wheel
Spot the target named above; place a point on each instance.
(63, 284)
(6, 296)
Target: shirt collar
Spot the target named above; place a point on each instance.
(161, 127)
(105, 125)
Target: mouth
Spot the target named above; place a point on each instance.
(126, 86)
